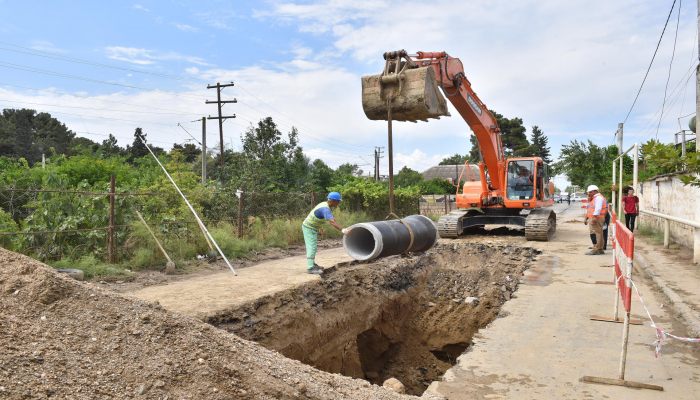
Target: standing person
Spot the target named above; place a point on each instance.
(595, 213)
(568, 198)
(313, 225)
(631, 203)
(606, 225)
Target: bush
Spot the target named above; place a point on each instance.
(93, 268)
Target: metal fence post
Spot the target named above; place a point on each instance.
(667, 233)
(240, 215)
(110, 231)
(445, 204)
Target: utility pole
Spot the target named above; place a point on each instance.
(204, 150)
(219, 87)
(377, 155)
(619, 137)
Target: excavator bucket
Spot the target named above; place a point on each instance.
(414, 96)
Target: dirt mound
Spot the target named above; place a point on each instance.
(61, 338)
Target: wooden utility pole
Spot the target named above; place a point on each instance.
(204, 151)
(219, 87)
(377, 156)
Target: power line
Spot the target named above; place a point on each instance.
(670, 67)
(97, 109)
(652, 61)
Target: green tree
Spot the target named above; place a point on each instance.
(349, 169)
(539, 146)
(189, 151)
(586, 163)
(110, 148)
(438, 186)
(408, 177)
(322, 176)
(454, 159)
(138, 148)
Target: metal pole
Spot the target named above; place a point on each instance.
(619, 203)
(619, 138)
(697, 83)
(446, 204)
(635, 169)
(617, 288)
(204, 150)
(43, 161)
(391, 162)
(683, 142)
(110, 241)
(612, 194)
(667, 233)
(240, 215)
(221, 128)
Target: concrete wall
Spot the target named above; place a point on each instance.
(667, 195)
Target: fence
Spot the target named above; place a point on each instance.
(437, 204)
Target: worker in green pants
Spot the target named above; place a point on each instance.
(313, 225)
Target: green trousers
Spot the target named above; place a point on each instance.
(311, 240)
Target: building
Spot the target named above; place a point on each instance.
(451, 172)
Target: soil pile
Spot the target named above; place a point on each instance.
(61, 338)
(403, 317)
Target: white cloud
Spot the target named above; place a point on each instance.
(218, 19)
(185, 28)
(140, 7)
(45, 45)
(147, 57)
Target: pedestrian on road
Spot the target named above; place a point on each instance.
(595, 218)
(631, 203)
(313, 225)
(568, 198)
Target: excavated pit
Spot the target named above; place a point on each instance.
(406, 317)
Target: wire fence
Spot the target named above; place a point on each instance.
(51, 225)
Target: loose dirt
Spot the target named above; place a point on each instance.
(65, 339)
(407, 317)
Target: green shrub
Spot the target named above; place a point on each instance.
(93, 268)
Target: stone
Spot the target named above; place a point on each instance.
(159, 384)
(503, 288)
(471, 300)
(395, 384)
(302, 388)
(143, 389)
(168, 361)
(431, 304)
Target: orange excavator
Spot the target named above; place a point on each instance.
(513, 191)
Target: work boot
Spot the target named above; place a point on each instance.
(593, 253)
(318, 266)
(316, 270)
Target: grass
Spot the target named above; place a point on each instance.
(94, 268)
(434, 216)
(656, 236)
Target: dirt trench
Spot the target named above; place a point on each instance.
(406, 317)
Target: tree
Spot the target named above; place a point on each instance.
(438, 186)
(586, 163)
(26, 134)
(349, 169)
(189, 151)
(455, 159)
(539, 145)
(138, 147)
(110, 148)
(322, 176)
(408, 177)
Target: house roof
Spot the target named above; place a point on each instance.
(450, 172)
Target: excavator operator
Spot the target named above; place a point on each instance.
(523, 184)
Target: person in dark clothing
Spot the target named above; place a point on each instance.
(631, 203)
(606, 225)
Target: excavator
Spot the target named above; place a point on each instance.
(513, 191)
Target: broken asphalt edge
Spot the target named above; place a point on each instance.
(683, 309)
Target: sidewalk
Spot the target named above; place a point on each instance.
(544, 343)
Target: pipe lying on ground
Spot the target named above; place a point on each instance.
(369, 240)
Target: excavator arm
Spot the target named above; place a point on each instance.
(409, 84)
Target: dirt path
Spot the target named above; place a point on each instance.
(202, 296)
(546, 343)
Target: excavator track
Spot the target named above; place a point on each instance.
(449, 225)
(540, 225)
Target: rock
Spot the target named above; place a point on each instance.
(395, 384)
(503, 288)
(143, 389)
(76, 274)
(168, 361)
(431, 304)
(471, 300)
(159, 384)
(301, 388)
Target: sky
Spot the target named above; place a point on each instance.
(572, 68)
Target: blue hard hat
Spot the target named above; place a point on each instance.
(334, 196)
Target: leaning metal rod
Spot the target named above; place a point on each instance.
(190, 206)
(391, 160)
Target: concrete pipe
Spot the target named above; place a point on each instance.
(369, 240)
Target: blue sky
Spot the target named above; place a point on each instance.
(573, 68)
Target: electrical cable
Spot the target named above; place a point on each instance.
(97, 109)
(652, 61)
(670, 67)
